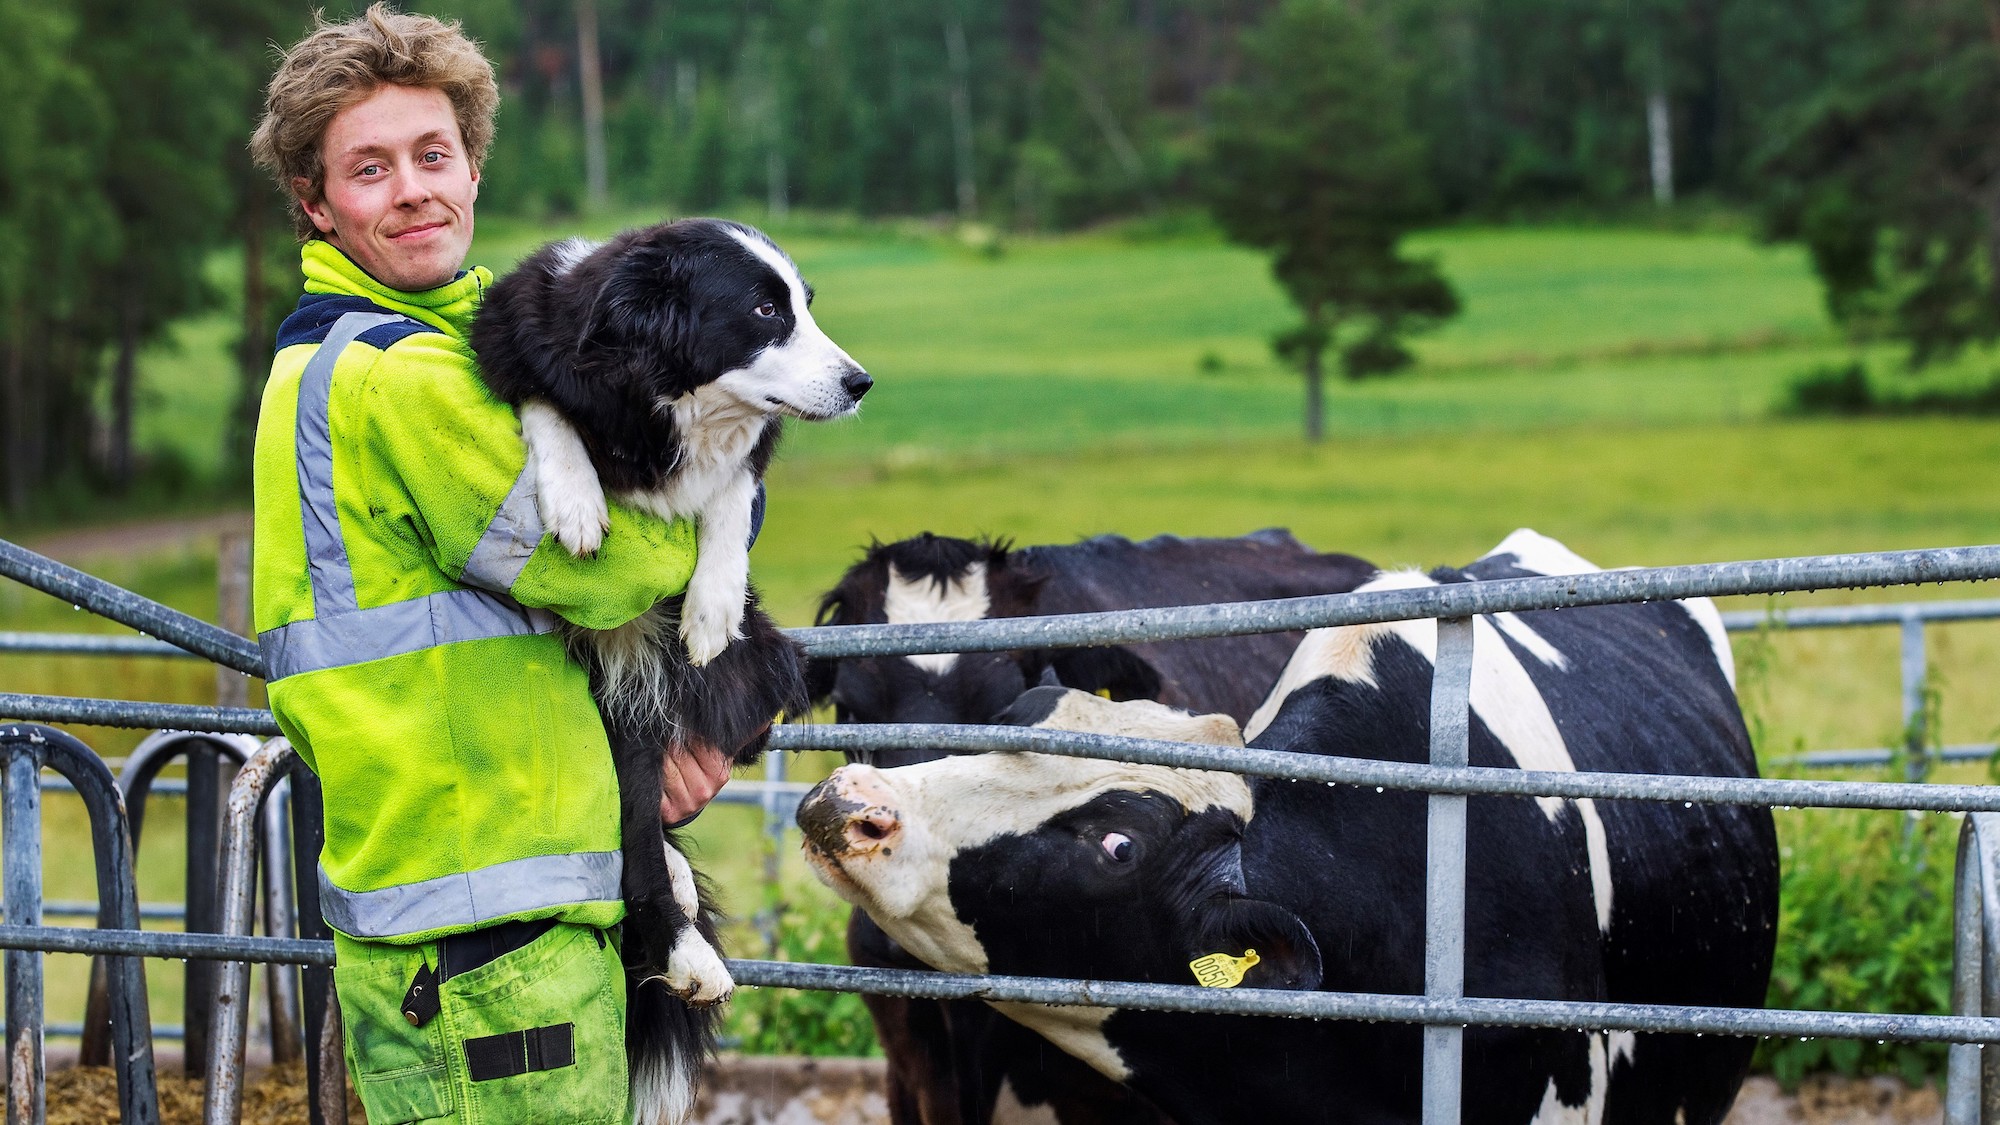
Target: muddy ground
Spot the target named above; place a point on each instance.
(786, 1091)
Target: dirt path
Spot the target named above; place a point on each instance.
(138, 537)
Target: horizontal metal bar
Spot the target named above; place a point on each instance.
(1471, 1011)
(1457, 599)
(1471, 780)
(1844, 616)
(168, 944)
(87, 644)
(75, 1031)
(133, 713)
(78, 908)
(1833, 759)
(127, 608)
(163, 787)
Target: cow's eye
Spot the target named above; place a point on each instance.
(767, 309)
(1117, 845)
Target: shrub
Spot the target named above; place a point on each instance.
(1864, 925)
(786, 1021)
(1833, 390)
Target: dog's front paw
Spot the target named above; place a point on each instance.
(707, 628)
(577, 520)
(696, 974)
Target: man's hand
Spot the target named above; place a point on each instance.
(691, 774)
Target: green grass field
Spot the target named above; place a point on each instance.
(1613, 388)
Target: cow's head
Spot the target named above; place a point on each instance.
(935, 578)
(1031, 864)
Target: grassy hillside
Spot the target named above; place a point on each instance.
(1612, 388)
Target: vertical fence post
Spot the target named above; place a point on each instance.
(326, 1074)
(1444, 885)
(1961, 1084)
(22, 831)
(1916, 739)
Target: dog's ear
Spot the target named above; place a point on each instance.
(638, 326)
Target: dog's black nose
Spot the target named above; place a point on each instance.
(856, 383)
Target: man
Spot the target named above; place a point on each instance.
(404, 593)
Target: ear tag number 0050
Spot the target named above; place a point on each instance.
(1220, 970)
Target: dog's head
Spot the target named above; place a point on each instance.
(670, 309)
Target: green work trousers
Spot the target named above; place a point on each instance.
(537, 1035)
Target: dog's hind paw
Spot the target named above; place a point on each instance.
(696, 974)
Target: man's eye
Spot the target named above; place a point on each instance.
(767, 309)
(371, 170)
(1117, 845)
(432, 157)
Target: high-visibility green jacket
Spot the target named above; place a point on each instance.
(404, 592)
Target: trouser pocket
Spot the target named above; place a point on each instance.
(539, 1034)
(399, 1070)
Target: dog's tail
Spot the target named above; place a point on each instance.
(666, 1041)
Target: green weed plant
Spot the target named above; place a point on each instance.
(1864, 925)
(789, 1021)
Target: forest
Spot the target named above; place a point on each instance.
(127, 202)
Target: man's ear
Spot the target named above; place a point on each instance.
(1287, 955)
(1116, 672)
(320, 214)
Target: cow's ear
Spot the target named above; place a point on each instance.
(1287, 955)
(1115, 672)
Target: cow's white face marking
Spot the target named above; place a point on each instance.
(945, 807)
(1537, 552)
(1503, 696)
(962, 598)
(802, 374)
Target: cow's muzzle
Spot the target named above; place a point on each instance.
(847, 815)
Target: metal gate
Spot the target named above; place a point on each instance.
(1973, 1087)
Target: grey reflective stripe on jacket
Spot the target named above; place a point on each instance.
(473, 897)
(339, 633)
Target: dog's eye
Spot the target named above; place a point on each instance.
(767, 309)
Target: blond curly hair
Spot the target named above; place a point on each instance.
(340, 64)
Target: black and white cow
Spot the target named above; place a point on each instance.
(957, 1063)
(1026, 864)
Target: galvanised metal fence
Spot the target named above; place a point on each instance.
(1973, 1087)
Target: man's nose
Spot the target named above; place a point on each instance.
(411, 189)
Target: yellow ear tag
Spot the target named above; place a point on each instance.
(1220, 970)
(1103, 693)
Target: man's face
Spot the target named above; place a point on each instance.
(399, 187)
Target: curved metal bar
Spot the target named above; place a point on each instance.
(1457, 599)
(229, 1012)
(135, 784)
(1968, 955)
(281, 907)
(118, 896)
(127, 608)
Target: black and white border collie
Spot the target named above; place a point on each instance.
(658, 367)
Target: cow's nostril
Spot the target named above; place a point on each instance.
(870, 827)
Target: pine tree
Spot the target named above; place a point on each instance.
(1311, 158)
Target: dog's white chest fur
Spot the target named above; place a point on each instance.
(712, 485)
